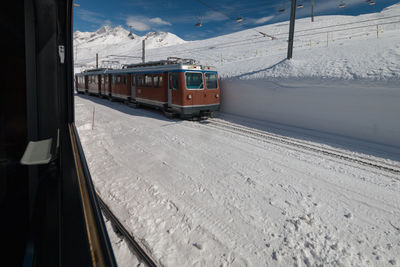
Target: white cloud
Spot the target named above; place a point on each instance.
(214, 16)
(143, 23)
(263, 20)
(159, 21)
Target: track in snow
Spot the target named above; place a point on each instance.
(304, 146)
(141, 253)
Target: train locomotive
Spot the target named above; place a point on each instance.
(176, 86)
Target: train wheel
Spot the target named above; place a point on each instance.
(213, 114)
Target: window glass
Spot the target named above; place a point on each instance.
(140, 80)
(148, 81)
(133, 79)
(175, 81)
(194, 80)
(211, 80)
(156, 81)
(118, 79)
(160, 81)
(123, 79)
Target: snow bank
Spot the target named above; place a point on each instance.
(361, 109)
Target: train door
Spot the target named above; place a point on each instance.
(173, 87)
(133, 86)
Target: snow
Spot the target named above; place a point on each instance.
(122, 252)
(340, 63)
(200, 195)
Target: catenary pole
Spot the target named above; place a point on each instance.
(312, 10)
(291, 29)
(143, 50)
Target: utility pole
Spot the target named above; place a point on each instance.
(143, 50)
(291, 29)
(312, 10)
(97, 60)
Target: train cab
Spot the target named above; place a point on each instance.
(194, 91)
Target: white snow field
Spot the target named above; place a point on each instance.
(284, 176)
(199, 195)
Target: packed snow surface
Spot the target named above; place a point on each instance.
(198, 195)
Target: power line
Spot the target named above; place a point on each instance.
(220, 12)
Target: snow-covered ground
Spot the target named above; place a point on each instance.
(200, 195)
(197, 195)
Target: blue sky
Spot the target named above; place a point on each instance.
(218, 17)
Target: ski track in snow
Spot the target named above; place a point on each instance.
(201, 196)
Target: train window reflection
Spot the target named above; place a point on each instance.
(211, 81)
(194, 80)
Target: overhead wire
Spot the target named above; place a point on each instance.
(223, 13)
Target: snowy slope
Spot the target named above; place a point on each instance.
(197, 195)
(116, 41)
(331, 47)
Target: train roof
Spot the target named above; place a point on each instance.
(171, 64)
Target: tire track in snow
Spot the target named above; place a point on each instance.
(305, 146)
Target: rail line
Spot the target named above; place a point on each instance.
(140, 251)
(292, 142)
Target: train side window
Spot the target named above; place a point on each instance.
(148, 81)
(124, 79)
(175, 81)
(118, 79)
(211, 81)
(133, 79)
(156, 81)
(140, 81)
(194, 80)
(113, 79)
(160, 81)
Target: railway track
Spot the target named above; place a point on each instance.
(135, 245)
(305, 146)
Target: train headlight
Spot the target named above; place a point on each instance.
(217, 95)
(189, 96)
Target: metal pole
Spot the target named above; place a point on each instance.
(143, 51)
(312, 10)
(97, 60)
(291, 29)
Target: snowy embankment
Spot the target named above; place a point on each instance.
(197, 195)
(344, 77)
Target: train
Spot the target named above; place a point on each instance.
(178, 87)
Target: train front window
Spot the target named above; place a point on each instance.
(194, 80)
(211, 81)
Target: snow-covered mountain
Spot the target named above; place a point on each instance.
(108, 41)
(340, 47)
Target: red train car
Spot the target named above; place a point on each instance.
(177, 86)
